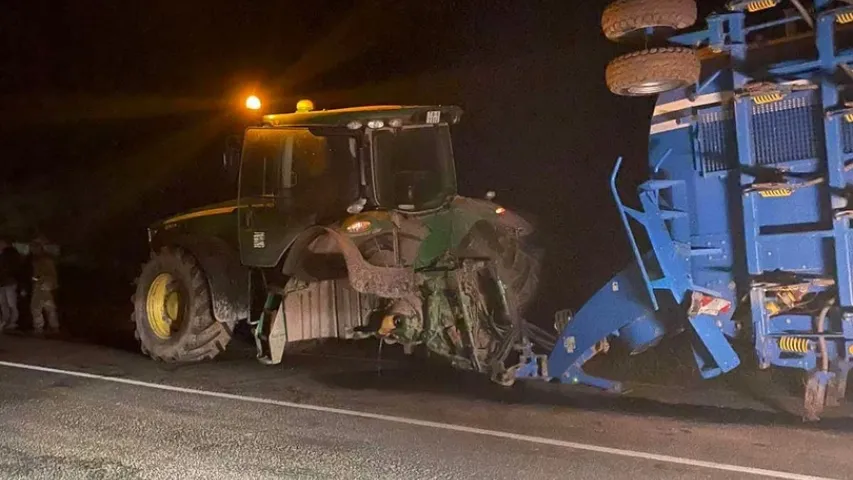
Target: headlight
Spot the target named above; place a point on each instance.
(359, 226)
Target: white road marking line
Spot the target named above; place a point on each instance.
(437, 425)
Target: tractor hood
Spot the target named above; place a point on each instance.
(448, 227)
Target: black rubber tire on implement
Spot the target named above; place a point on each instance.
(624, 17)
(199, 336)
(652, 71)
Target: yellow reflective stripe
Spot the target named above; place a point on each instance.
(776, 193)
(844, 18)
(766, 98)
(213, 211)
(202, 213)
(759, 5)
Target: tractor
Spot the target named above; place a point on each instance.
(346, 224)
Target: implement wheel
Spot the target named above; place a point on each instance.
(649, 72)
(624, 17)
(172, 310)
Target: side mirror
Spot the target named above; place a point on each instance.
(231, 156)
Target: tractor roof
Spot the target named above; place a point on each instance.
(343, 116)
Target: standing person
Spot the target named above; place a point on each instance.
(45, 281)
(10, 267)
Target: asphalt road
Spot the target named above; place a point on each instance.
(317, 418)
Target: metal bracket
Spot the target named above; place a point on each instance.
(751, 6)
(763, 93)
(846, 112)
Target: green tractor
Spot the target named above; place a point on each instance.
(348, 223)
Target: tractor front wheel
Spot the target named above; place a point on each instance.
(172, 310)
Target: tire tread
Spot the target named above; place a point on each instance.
(625, 16)
(204, 337)
(655, 64)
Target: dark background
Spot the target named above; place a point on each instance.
(114, 114)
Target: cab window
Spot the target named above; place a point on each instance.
(261, 163)
(313, 172)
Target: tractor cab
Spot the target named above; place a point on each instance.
(324, 163)
(319, 167)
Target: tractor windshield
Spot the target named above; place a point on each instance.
(413, 167)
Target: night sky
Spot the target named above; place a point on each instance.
(114, 114)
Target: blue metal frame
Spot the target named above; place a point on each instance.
(623, 214)
(718, 231)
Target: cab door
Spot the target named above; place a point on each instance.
(291, 179)
(265, 220)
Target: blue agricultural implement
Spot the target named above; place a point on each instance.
(747, 209)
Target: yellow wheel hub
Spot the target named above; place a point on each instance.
(163, 306)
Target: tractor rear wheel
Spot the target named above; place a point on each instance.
(521, 266)
(624, 17)
(517, 264)
(513, 271)
(652, 71)
(172, 310)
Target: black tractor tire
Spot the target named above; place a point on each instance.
(652, 71)
(197, 336)
(624, 17)
(518, 265)
(526, 267)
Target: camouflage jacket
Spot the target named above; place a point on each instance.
(44, 272)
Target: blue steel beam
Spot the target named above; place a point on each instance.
(620, 303)
(745, 146)
(830, 99)
(623, 214)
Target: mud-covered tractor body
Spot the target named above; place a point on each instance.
(352, 221)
